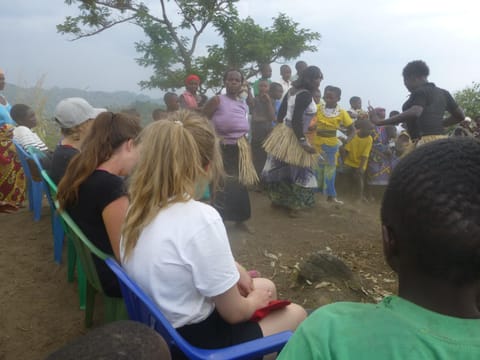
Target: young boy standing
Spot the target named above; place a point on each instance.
(356, 111)
(286, 82)
(431, 236)
(266, 74)
(355, 155)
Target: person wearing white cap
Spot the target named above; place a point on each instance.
(74, 116)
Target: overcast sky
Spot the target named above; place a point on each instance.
(364, 45)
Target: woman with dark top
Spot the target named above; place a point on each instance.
(74, 116)
(288, 175)
(424, 110)
(228, 114)
(92, 190)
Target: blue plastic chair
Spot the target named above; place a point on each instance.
(34, 187)
(51, 191)
(142, 309)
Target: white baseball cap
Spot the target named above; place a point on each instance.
(71, 112)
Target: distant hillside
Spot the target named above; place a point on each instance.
(45, 100)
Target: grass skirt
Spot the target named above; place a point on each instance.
(283, 144)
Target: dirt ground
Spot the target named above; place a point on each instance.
(39, 310)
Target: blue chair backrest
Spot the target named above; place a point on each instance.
(35, 157)
(142, 309)
(23, 156)
(42, 172)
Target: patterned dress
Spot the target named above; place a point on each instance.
(381, 162)
(12, 177)
(288, 185)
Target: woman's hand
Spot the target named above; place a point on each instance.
(245, 283)
(306, 146)
(260, 298)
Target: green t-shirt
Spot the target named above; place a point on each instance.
(393, 329)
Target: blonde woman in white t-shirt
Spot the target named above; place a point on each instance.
(176, 248)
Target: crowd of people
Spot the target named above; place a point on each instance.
(130, 190)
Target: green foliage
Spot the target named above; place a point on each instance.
(171, 48)
(469, 100)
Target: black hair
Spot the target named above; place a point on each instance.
(333, 89)
(167, 96)
(393, 113)
(229, 71)
(18, 112)
(432, 208)
(363, 124)
(298, 63)
(306, 78)
(416, 68)
(274, 85)
(354, 98)
(262, 65)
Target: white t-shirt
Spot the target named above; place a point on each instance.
(286, 85)
(182, 259)
(26, 137)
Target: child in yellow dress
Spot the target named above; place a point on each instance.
(330, 118)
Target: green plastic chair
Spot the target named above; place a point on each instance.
(72, 262)
(114, 308)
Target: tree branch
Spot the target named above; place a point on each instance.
(104, 27)
(173, 33)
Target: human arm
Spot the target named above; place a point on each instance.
(363, 163)
(456, 113)
(413, 113)
(282, 111)
(365, 155)
(350, 132)
(211, 106)
(269, 105)
(250, 100)
(302, 100)
(27, 138)
(245, 283)
(235, 308)
(456, 117)
(181, 102)
(113, 216)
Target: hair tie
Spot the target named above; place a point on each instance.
(178, 122)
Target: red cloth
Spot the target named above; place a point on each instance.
(192, 77)
(272, 306)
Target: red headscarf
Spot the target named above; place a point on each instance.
(191, 77)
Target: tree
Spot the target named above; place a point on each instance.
(469, 100)
(173, 37)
